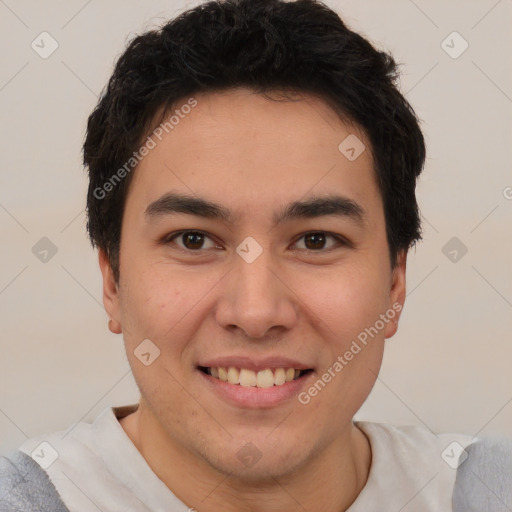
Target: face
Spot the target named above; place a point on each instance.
(220, 269)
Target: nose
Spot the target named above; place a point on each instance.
(257, 300)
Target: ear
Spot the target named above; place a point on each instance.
(110, 293)
(397, 293)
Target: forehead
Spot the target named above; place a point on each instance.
(245, 150)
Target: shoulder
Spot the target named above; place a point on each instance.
(25, 486)
(470, 474)
(427, 447)
(484, 478)
(412, 468)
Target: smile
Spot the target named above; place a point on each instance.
(248, 378)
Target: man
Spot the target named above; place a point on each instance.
(252, 195)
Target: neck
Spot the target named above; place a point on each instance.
(329, 481)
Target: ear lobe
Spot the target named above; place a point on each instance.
(110, 293)
(397, 293)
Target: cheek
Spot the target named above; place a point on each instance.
(347, 300)
(163, 304)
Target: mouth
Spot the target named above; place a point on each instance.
(245, 377)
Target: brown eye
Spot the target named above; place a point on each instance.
(191, 240)
(316, 241)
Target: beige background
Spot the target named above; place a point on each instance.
(449, 366)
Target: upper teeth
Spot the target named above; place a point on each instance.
(262, 379)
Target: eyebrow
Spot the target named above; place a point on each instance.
(332, 205)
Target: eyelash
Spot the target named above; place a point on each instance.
(339, 239)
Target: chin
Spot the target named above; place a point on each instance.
(261, 474)
(256, 463)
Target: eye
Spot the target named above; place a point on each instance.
(194, 241)
(316, 240)
(191, 240)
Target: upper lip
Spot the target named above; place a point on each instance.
(255, 364)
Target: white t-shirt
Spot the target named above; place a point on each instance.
(97, 467)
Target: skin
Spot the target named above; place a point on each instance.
(253, 155)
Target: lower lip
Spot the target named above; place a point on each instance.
(253, 397)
